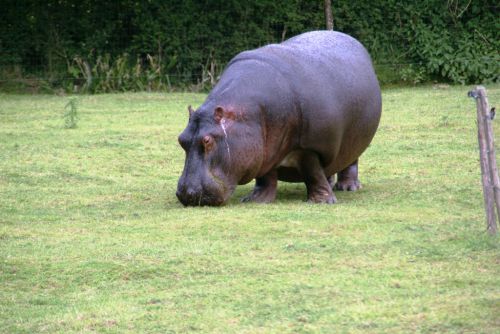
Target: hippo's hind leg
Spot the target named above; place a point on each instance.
(317, 183)
(264, 190)
(347, 179)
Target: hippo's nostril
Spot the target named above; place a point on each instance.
(188, 196)
(191, 192)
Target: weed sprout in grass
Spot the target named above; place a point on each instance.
(70, 115)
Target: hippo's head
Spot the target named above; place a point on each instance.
(222, 151)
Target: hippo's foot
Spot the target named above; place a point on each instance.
(264, 190)
(322, 198)
(348, 178)
(318, 185)
(260, 196)
(348, 185)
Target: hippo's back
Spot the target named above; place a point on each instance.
(312, 53)
(330, 48)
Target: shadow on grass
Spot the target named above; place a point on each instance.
(294, 193)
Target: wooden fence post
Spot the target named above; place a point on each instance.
(489, 169)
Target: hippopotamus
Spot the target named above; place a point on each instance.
(303, 110)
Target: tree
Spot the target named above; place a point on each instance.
(328, 15)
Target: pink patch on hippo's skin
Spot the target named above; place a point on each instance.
(222, 124)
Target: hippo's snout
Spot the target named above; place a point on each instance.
(197, 196)
(188, 196)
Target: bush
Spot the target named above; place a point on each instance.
(95, 46)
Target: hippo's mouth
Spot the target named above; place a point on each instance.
(205, 198)
(202, 201)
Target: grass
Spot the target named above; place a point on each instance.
(92, 238)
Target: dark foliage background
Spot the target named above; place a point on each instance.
(102, 46)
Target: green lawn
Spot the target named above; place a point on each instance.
(93, 239)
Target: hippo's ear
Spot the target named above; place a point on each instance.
(191, 110)
(221, 113)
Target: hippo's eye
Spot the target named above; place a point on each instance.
(208, 142)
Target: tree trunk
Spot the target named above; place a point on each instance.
(328, 15)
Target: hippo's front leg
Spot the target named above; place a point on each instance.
(318, 186)
(264, 190)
